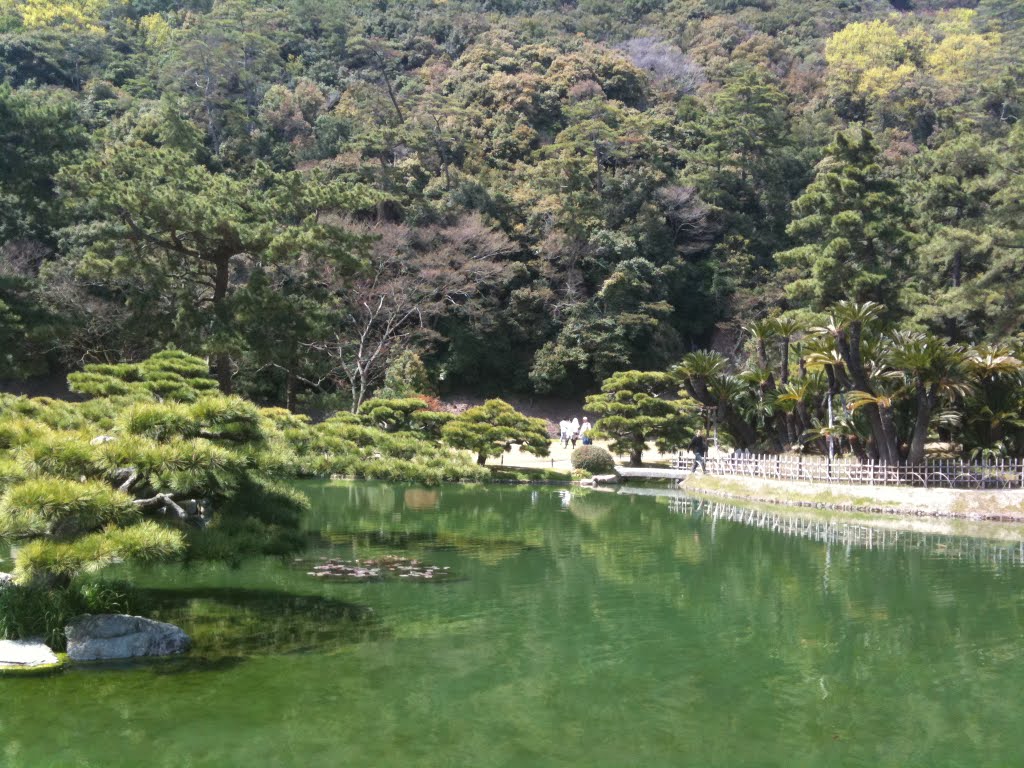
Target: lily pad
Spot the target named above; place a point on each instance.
(384, 568)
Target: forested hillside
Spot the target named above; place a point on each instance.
(531, 194)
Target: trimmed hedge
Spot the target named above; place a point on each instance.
(595, 460)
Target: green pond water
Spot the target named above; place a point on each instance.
(580, 629)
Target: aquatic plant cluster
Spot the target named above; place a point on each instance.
(381, 569)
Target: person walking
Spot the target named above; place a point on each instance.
(585, 431)
(699, 446)
(563, 432)
(574, 432)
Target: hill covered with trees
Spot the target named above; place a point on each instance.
(532, 194)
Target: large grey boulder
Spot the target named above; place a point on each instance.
(25, 654)
(115, 636)
(6, 580)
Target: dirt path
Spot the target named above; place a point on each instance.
(559, 457)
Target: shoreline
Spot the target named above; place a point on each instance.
(1001, 506)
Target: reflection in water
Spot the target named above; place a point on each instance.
(588, 628)
(421, 498)
(853, 534)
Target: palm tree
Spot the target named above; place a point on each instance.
(994, 414)
(934, 368)
(786, 328)
(862, 367)
(704, 377)
(761, 332)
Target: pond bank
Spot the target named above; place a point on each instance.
(935, 502)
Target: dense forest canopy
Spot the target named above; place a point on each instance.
(531, 194)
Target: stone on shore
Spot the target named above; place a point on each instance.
(115, 636)
(6, 580)
(26, 654)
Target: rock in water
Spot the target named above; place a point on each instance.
(115, 636)
(25, 654)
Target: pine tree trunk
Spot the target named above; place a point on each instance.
(220, 290)
(289, 391)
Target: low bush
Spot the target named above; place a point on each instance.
(591, 458)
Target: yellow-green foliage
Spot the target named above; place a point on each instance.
(168, 375)
(875, 59)
(85, 484)
(228, 418)
(61, 508)
(159, 421)
(406, 414)
(85, 15)
(65, 454)
(343, 446)
(145, 541)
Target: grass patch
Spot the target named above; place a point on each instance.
(39, 612)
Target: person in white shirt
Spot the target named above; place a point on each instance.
(585, 431)
(563, 432)
(574, 431)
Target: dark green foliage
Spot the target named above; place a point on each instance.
(533, 195)
(593, 459)
(853, 227)
(38, 131)
(631, 412)
(490, 429)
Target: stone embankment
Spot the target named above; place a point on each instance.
(1006, 505)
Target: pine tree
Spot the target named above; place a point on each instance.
(632, 413)
(853, 226)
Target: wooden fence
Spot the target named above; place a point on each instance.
(937, 473)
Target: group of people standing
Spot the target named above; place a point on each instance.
(571, 431)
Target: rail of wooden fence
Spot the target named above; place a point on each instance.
(938, 473)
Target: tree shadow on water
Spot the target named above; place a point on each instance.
(229, 625)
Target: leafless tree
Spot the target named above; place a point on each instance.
(413, 277)
(668, 65)
(691, 219)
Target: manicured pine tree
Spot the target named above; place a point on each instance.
(632, 413)
(491, 429)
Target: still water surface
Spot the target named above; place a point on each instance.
(583, 629)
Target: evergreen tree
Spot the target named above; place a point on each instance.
(632, 413)
(156, 217)
(490, 429)
(953, 188)
(853, 227)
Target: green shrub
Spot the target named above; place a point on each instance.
(593, 459)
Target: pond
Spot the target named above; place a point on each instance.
(573, 628)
